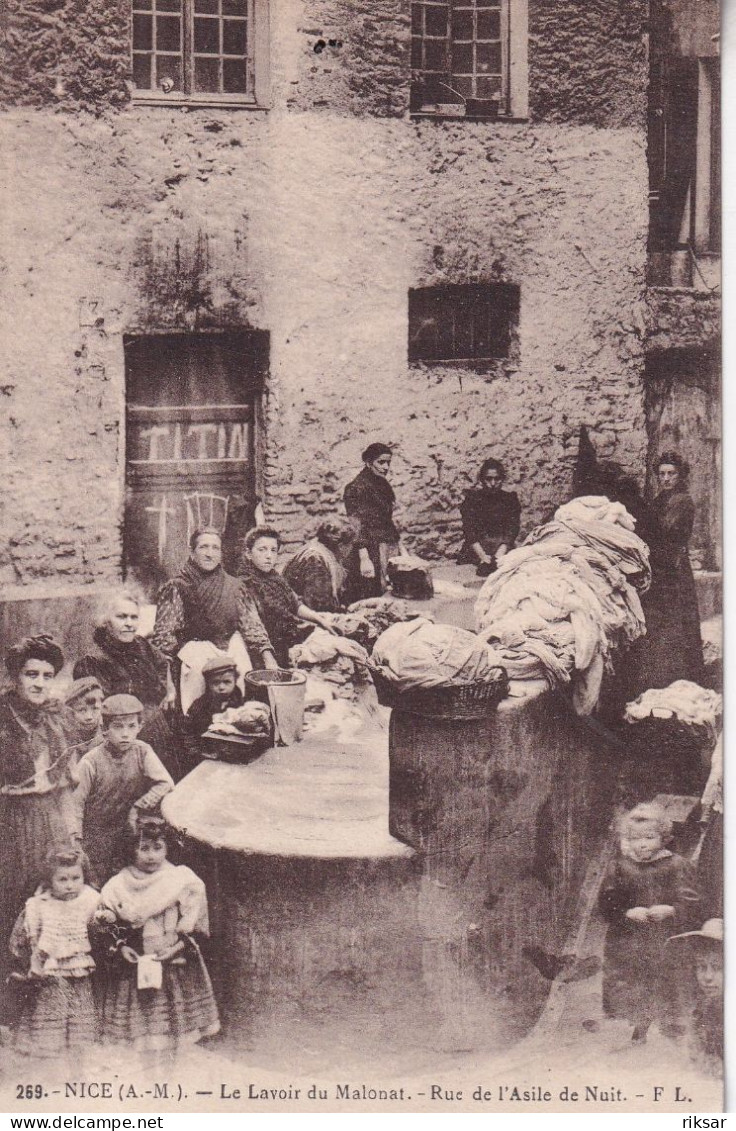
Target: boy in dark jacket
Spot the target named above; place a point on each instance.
(221, 691)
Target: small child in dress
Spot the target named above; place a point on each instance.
(116, 781)
(221, 691)
(51, 942)
(647, 894)
(159, 995)
(84, 704)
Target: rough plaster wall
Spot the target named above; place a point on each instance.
(65, 53)
(314, 228)
(588, 61)
(312, 222)
(679, 318)
(587, 57)
(113, 231)
(413, 206)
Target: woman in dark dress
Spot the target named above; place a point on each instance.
(370, 499)
(491, 519)
(35, 788)
(125, 663)
(672, 648)
(205, 605)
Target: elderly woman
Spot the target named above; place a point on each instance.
(34, 777)
(125, 663)
(204, 610)
(672, 648)
(320, 573)
(491, 519)
(370, 499)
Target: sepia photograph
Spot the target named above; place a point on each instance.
(361, 557)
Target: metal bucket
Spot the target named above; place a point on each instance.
(284, 692)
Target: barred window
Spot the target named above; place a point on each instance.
(468, 322)
(462, 54)
(198, 50)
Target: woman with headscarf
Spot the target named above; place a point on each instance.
(672, 648)
(370, 499)
(35, 788)
(125, 663)
(491, 519)
(204, 610)
(320, 572)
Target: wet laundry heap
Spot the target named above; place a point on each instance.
(365, 620)
(251, 718)
(419, 653)
(683, 700)
(559, 606)
(337, 660)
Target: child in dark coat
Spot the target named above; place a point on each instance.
(221, 692)
(648, 894)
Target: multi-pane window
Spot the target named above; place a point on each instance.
(466, 322)
(194, 49)
(460, 56)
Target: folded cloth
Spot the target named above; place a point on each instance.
(559, 606)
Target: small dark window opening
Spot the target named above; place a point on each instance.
(467, 322)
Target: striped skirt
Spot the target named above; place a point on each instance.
(182, 1012)
(58, 1017)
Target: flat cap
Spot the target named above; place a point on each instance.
(82, 687)
(117, 705)
(221, 663)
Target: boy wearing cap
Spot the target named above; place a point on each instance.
(84, 703)
(117, 780)
(221, 691)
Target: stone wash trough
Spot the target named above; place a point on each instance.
(375, 900)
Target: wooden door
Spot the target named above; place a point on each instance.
(190, 445)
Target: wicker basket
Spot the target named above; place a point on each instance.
(236, 748)
(450, 701)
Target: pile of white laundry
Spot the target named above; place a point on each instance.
(419, 653)
(683, 700)
(340, 662)
(559, 606)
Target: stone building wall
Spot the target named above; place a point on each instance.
(312, 221)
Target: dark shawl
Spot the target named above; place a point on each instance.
(25, 731)
(277, 604)
(210, 600)
(136, 668)
(315, 574)
(491, 518)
